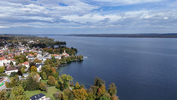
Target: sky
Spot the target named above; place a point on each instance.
(87, 16)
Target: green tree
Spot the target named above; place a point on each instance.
(32, 84)
(44, 76)
(22, 70)
(104, 98)
(11, 63)
(51, 80)
(22, 83)
(98, 81)
(18, 93)
(112, 89)
(55, 75)
(1, 69)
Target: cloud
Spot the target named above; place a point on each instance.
(123, 2)
(81, 14)
(165, 18)
(93, 18)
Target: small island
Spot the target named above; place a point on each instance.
(28, 71)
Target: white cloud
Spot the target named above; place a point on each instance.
(165, 18)
(93, 18)
(4, 27)
(125, 2)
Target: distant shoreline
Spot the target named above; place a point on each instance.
(127, 35)
(147, 35)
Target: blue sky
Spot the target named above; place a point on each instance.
(87, 16)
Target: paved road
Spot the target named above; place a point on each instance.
(4, 86)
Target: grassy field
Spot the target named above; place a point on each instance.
(51, 91)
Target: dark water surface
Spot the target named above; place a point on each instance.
(141, 68)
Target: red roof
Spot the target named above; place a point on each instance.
(25, 63)
(30, 55)
(55, 55)
(9, 69)
(2, 58)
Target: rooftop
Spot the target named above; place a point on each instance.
(34, 97)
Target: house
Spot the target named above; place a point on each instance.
(26, 63)
(65, 54)
(39, 66)
(31, 58)
(10, 70)
(3, 61)
(11, 60)
(38, 97)
(24, 76)
(57, 56)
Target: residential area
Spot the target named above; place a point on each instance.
(19, 62)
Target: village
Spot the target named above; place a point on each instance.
(9, 64)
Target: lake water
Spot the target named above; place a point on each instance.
(141, 68)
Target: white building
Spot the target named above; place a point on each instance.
(10, 70)
(3, 61)
(39, 66)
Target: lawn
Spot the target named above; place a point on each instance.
(45, 81)
(51, 91)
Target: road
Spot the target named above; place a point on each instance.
(4, 86)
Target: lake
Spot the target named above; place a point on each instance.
(141, 68)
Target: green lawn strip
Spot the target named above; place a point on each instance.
(51, 91)
(45, 81)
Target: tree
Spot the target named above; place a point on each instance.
(55, 75)
(2, 95)
(67, 78)
(33, 69)
(77, 86)
(13, 74)
(22, 83)
(18, 93)
(104, 98)
(51, 80)
(68, 95)
(53, 70)
(101, 91)
(80, 94)
(19, 73)
(44, 76)
(112, 89)
(42, 86)
(98, 81)
(91, 96)
(22, 70)
(37, 60)
(11, 63)
(114, 97)
(32, 84)
(58, 95)
(1, 69)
